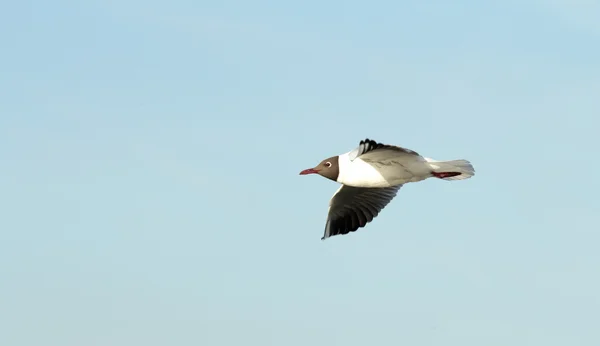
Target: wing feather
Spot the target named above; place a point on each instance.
(352, 208)
(370, 150)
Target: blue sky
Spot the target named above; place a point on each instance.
(150, 155)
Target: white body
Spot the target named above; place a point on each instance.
(396, 171)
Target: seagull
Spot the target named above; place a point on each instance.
(370, 177)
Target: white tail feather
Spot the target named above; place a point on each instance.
(464, 167)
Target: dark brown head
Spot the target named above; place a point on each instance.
(328, 168)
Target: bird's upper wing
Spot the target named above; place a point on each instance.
(351, 208)
(371, 151)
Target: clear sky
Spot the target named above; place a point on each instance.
(150, 153)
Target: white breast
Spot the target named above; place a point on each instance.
(359, 173)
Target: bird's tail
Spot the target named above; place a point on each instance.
(451, 170)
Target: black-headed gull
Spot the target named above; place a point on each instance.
(371, 176)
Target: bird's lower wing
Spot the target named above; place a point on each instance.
(351, 208)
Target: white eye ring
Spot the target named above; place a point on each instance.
(327, 164)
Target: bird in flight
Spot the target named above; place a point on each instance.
(370, 177)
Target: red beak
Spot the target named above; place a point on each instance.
(309, 171)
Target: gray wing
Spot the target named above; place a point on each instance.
(371, 151)
(351, 208)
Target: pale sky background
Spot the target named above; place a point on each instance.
(150, 153)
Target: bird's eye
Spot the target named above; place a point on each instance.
(327, 164)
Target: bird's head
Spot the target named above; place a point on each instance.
(328, 168)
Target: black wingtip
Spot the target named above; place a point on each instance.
(368, 141)
(367, 145)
